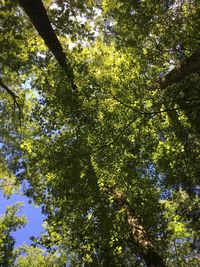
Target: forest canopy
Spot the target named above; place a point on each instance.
(100, 126)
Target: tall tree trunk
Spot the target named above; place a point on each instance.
(38, 16)
(180, 72)
(40, 20)
(139, 235)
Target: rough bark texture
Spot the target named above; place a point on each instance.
(146, 248)
(140, 236)
(39, 18)
(191, 65)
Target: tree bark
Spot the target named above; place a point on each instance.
(180, 72)
(139, 235)
(40, 20)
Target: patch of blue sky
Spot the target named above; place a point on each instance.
(33, 214)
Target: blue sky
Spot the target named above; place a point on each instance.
(33, 214)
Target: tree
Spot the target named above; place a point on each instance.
(35, 257)
(109, 139)
(9, 222)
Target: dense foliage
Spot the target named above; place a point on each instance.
(100, 116)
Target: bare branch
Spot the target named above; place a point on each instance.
(11, 93)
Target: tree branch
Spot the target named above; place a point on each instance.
(170, 109)
(11, 93)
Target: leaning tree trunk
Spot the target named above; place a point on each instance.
(191, 108)
(139, 235)
(180, 72)
(40, 20)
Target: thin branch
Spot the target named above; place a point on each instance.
(118, 136)
(121, 102)
(160, 111)
(10, 92)
(169, 110)
(139, 113)
(14, 97)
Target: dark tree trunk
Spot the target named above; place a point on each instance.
(180, 72)
(187, 90)
(40, 20)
